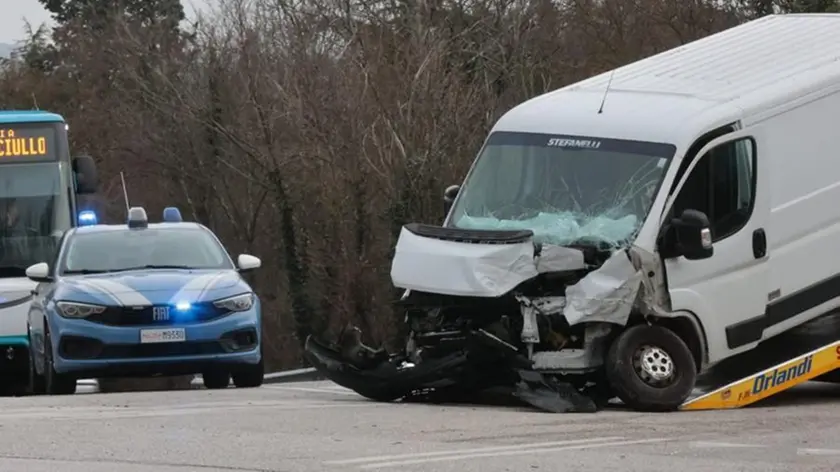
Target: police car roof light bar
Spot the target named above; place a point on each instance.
(137, 218)
(87, 218)
(172, 215)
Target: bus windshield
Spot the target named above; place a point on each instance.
(34, 213)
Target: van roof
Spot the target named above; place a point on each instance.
(678, 94)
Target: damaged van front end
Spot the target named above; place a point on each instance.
(535, 285)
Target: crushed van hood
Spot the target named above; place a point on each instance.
(433, 265)
(428, 260)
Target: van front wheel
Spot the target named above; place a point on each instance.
(650, 368)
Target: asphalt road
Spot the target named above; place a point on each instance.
(317, 426)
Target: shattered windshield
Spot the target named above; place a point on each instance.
(566, 189)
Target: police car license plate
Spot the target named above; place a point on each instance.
(172, 335)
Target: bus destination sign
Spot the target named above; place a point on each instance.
(27, 144)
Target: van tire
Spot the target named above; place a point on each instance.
(625, 374)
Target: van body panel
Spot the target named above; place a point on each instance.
(803, 232)
(778, 78)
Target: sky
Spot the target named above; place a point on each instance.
(13, 18)
(15, 13)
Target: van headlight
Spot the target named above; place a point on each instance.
(242, 302)
(78, 310)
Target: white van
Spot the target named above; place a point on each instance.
(651, 221)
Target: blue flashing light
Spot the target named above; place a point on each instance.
(87, 218)
(183, 306)
(172, 215)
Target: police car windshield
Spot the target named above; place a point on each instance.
(148, 248)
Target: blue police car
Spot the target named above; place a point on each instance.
(143, 299)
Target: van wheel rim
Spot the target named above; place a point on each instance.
(654, 366)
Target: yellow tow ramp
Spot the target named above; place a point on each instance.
(770, 381)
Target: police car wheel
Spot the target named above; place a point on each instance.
(36, 384)
(216, 379)
(55, 383)
(650, 368)
(249, 376)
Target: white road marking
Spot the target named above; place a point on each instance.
(513, 447)
(330, 390)
(518, 452)
(714, 444)
(818, 452)
(76, 413)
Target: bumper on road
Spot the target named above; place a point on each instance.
(14, 355)
(84, 347)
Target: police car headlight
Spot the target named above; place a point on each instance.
(78, 310)
(242, 302)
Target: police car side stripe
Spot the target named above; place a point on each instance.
(210, 284)
(86, 285)
(124, 294)
(93, 286)
(193, 285)
(231, 277)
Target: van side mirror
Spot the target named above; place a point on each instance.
(693, 235)
(86, 179)
(449, 196)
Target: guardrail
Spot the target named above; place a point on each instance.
(308, 374)
(287, 376)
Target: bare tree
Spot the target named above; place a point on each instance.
(308, 131)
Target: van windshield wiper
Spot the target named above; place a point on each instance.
(85, 271)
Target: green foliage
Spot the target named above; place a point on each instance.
(767, 7)
(810, 6)
(37, 53)
(94, 12)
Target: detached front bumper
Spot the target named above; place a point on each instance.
(481, 362)
(95, 349)
(386, 378)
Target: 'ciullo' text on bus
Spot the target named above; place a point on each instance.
(13, 146)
